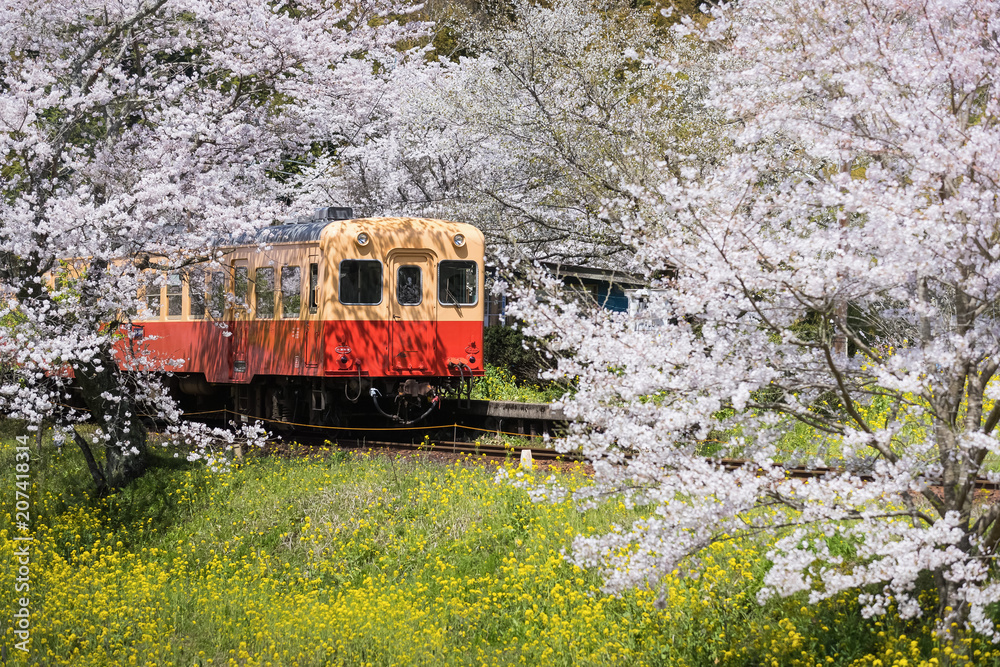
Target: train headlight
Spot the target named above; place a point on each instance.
(363, 239)
(459, 240)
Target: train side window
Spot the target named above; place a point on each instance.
(457, 282)
(241, 285)
(175, 295)
(291, 291)
(409, 286)
(313, 287)
(216, 295)
(196, 294)
(361, 282)
(152, 296)
(264, 291)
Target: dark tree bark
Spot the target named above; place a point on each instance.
(125, 451)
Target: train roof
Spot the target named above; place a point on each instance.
(301, 232)
(287, 233)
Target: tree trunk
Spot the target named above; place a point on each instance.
(951, 609)
(125, 449)
(100, 483)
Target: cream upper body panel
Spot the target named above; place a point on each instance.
(274, 263)
(395, 243)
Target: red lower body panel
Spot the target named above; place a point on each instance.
(402, 348)
(241, 350)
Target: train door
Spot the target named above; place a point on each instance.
(412, 311)
(239, 320)
(313, 338)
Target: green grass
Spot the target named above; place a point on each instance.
(349, 559)
(499, 384)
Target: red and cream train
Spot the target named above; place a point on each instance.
(309, 317)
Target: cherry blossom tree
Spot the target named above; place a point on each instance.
(133, 134)
(530, 135)
(839, 269)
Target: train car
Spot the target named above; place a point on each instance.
(319, 318)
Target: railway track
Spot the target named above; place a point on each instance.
(528, 424)
(511, 452)
(458, 421)
(476, 448)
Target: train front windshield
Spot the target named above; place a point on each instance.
(457, 283)
(360, 281)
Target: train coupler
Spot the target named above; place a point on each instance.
(413, 388)
(402, 400)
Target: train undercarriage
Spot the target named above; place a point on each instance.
(350, 401)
